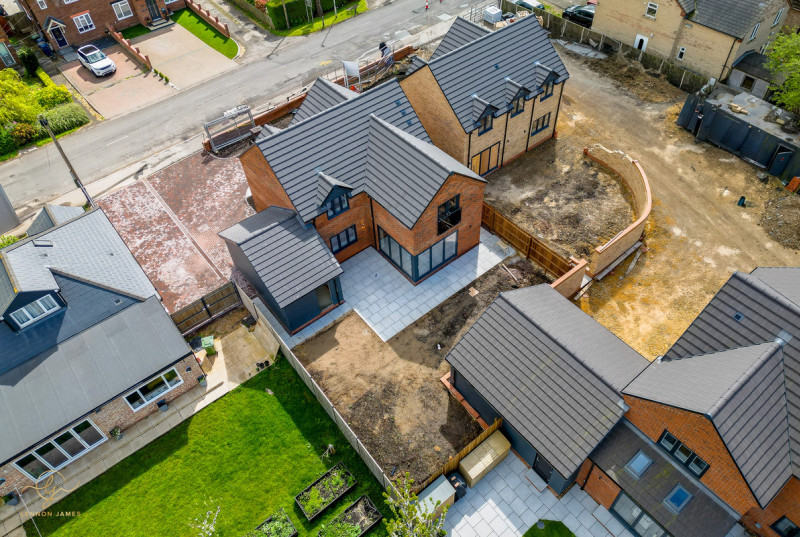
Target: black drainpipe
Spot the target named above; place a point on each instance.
(558, 108)
(588, 475)
(530, 126)
(505, 133)
(469, 151)
(374, 225)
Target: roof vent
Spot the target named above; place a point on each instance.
(397, 102)
(738, 316)
(497, 66)
(403, 112)
(783, 338)
(42, 242)
(117, 301)
(409, 122)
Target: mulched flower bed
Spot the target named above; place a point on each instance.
(323, 492)
(354, 521)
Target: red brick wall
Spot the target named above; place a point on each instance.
(786, 503)
(116, 413)
(599, 485)
(358, 214)
(424, 234)
(699, 435)
(264, 184)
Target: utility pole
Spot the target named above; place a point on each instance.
(46, 124)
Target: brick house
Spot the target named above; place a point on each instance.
(487, 98)
(8, 56)
(706, 443)
(87, 345)
(66, 23)
(705, 36)
(352, 171)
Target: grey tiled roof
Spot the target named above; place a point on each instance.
(405, 191)
(704, 515)
(325, 184)
(733, 17)
(550, 370)
(767, 309)
(460, 33)
(51, 391)
(416, 63)
(741, 391)
(335, 142)
(321, 95)
(87, 247)
(753, 63)
(482, 66)
(289, 257)
(267, 131)
(52, 215)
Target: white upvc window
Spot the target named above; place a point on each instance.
(778, 17)
(122, 9)
(60, 450)
(84, 23)
(153, 389)
(652, 10)
(42, 4)
(755, 31)
(69, 1)
(5, 55)
(35, 310)
(681, 53)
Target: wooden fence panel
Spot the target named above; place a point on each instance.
(203, 310)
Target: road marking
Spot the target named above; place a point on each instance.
(118, 139)
(326, 62)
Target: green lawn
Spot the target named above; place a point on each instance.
(551, 529)
(343, 13)
(206, 33)
(249, 452)
(135, 31)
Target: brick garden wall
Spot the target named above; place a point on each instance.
(358, 214)
(263, 182)
(599, 485)
(786, 503)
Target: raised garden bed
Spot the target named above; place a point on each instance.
(356, 520)
(278, 525)
(323, 492)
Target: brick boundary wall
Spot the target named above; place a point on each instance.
(635, 179)
(570, 283)
(209, 18)
(126, 45)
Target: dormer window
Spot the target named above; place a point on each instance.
(548, 90)
(34, 311)
(518, 105)
(485, 124)
(337, 205)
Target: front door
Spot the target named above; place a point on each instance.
(155, 14)
(640, 42)
(543, 468)
(58, 36)
(780, 161)
(324, 297)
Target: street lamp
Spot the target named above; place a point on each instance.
(46, 124)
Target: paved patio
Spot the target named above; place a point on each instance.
(387, 301)
(512, 498)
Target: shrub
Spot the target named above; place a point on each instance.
(7, 240)
(7, 143)
(29, 60)
(66, 117)
(50, 96)
(166, 79)
(18, 102)
(44, 77)
(23, 133)
(296, 10)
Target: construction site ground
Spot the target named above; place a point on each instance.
(390, 392)
(697, 236)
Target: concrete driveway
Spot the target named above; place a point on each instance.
(181, 56)
(126, 90)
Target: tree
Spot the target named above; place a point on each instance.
(784, 59)
(408, 519)
(17, 102)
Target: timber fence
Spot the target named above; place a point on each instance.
(207, 308)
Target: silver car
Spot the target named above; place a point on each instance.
(96, 61)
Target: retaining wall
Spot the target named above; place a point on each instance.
(635, 179)
(209, 18)
(570, 283)
(126, 45)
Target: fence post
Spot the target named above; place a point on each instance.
(602, 41)
(641, 53)
(583, 30)
(530, 246)
(660, 67)
(682, 77)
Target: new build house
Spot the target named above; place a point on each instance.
(705, 36)
(352, 171)
(487, 98)
(86, 345)
(702, 441)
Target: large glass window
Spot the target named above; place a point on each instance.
(786, 528)
(449, 215)
(638, 464)
(636, 518)
(541, 124)
(683, 454)
(5, 55)
(84, 23)
(337, 205)
(418, 266)
(153, 388)
(60, 450)
(35, 310)
(677, 499)
(343, 239)
(122, 9)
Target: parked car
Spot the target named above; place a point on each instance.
(583, 15)
(96, 61)
(528, 4)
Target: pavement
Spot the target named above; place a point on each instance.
(387, 301)
(270, 68)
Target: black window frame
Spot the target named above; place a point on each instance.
(540, 125)
(345, 232)
(792, 533)
(413, 271)
(331, 211)
(485, 124)
(549, 89)
(688, 462)
(518, 106)
(448, 215)
(642, 513)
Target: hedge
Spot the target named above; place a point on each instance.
(296, 10)
(44, 77)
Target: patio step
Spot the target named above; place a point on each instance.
(163, 23)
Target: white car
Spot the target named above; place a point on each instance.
(96, 61)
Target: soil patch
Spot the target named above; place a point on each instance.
(781, 219)
(557, 194)
(646, 85)
(390, 394)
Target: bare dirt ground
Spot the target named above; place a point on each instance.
(561, 196)
(390, 392)
(696, 236)
(781, 219)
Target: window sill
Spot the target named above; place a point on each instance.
(651, 17)
(481, 133)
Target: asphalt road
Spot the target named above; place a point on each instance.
(108, 146)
